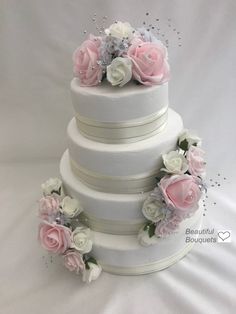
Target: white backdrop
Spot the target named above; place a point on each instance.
(37, 39)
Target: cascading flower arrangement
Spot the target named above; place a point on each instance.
(60, 231)
(179, 189)
(121, 54)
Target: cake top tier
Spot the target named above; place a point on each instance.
(119, 55)
(131, 105)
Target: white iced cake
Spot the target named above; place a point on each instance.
(131, 173)
(113, 174)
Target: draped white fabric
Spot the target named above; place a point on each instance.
(37, 39)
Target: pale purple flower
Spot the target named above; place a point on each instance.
(147, 36)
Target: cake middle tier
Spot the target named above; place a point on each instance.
(121, 168)
(104, 212)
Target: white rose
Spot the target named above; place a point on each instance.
(52, 186)
(153, 209)
(81, 240)
(189, 138)
(174, 163)
(70, 207)
(92, 273)
(119, 72)
(145, 240)
(120, 30)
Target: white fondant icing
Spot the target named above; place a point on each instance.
(122, 254)
(149, 267)
(141, 158)
(105, 109)
(104, 206)
(105, 103)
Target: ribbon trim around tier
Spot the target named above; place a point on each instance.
(118, 185)
(123, 132)
(112, 226)
(127, 227)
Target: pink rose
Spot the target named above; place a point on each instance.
(166, 227)
(85, 59)
(48, 207)
(181, 192)
(73, 261)
(150, 66)
(195, 158)
(54, 238)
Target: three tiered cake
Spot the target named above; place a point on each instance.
(132, 175)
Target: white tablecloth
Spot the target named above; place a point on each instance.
(37, 39)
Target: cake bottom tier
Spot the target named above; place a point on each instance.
(123, 255)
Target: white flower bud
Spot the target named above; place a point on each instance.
(92, 273)
(153, 209)
(70, 207)
(145, 240)
(52, 186)
(81, 240)
(174, 163)
(119, 72)
(120, 30)
(190, 138)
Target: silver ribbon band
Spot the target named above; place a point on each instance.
(116, 184)
(112, 226)
(123, 132)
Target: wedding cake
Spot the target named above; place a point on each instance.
(131, 178)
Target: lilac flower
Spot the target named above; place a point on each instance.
(147, 36)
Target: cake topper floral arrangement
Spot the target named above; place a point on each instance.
(179, 189)
(121, 54)
(61, 233)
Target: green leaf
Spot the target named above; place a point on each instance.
(146, 226)
(158, 179)
(68, 225)
(184, 145)
(160, 175)
(91, 260)
(151, 230)
(56, 192)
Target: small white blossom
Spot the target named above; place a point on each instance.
(120, 30)
(174, 163)
(145, 240)
(52, 186)
(92, 273)
(119, 72)
(81, 240)
(190, 138)
(70, 207)
(153, 209)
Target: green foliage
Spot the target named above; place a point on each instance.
(184, 145)
(160, 175)
(151, 230)
(89, 259)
